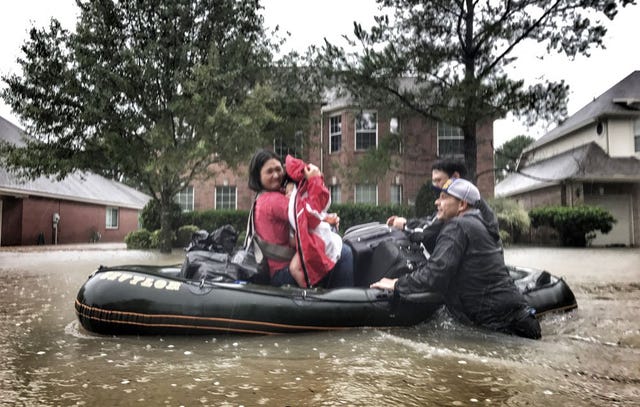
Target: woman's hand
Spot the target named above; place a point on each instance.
(311, 171)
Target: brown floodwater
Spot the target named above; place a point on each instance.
(587, 357)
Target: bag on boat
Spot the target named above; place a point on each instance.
(199, 241)
(250, 258)
(211, 266)
(392, 259)
(253, 270)
(223, 239)
(222, 267)
(211, 257)
(363, 239)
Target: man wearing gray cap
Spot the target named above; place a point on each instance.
(467, 267)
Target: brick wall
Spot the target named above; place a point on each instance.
(25, 219)
(412, 169)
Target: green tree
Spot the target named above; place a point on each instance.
(425, 200)
(456, 54)
(576, 225)
(507, 155)
(152, 92)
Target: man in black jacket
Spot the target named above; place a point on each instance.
(467, 267)
(425, 230)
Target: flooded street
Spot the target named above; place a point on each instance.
(587, 357)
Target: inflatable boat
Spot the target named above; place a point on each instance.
(156, 300)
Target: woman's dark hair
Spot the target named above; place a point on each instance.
(255, 166)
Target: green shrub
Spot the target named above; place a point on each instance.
(505, 237)
(512, 218)
(150, 215)
(183, 236)
(425, 201)
(575, 225)
(350, 214)
(155, 239)
(138, 239)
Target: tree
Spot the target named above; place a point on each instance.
(456, 52)
(575, 225)
(507, 155)
(150, 91)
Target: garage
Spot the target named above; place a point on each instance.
(620, 208)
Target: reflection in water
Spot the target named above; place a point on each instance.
(49, 360)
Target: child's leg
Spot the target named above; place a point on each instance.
(295, 269)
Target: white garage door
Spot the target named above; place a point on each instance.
(620, 208)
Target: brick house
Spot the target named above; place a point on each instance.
(592, 158)
(81, 208)
(342, 134)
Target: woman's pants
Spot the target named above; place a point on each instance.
(340, 276)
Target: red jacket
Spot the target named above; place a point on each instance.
(317, 245)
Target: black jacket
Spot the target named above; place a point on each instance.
(467, 267)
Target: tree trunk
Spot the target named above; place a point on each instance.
(165, 224)
(471, 153)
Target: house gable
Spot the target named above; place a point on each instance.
(608, 121)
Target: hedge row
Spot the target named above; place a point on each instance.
(210, 220)
(575, 225)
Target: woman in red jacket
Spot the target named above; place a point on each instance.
(271, 222)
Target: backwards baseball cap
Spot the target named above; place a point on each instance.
(461, 189)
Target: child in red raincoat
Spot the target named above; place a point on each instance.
(316, 242)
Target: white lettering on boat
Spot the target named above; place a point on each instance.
(157, 283)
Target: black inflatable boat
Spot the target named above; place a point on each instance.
(148, 300)
(202, 297)
(156, 300)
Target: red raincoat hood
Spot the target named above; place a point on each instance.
(294, 168)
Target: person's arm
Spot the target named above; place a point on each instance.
(397, 222)
(442, 265)
(317, 198)
(429, 235)
(401, 223)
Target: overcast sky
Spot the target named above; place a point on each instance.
(311, 21)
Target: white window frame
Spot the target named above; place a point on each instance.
(395, 194)
(282, 149)
(449, 132)
(109, 217)
(335, 133)
(186, 198)
(336, 194)
(359, 131)
(394, 128)
(358, 192)
(228, 189)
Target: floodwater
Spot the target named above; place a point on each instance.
(587, 357)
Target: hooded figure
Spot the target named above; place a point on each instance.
(318, 246)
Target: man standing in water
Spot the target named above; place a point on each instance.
(467, 267)
(426, 230)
